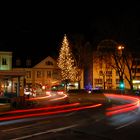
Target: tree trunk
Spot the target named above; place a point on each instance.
(131, 85)
(79, 86)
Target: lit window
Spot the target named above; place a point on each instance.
(98, 81)
(109, 73)
(109, 81)
(38, 74)
(28, 74)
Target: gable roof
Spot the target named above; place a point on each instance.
(48, 62)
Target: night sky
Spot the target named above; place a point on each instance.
(36, 30)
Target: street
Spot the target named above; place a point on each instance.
(119, 120)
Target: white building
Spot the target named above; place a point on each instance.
(7, 74)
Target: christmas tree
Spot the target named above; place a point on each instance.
(66, 61)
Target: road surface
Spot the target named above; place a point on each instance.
(78, 121)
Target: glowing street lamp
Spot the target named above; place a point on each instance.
(120, 47)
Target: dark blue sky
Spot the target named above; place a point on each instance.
(37, 30)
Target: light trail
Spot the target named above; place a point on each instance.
(134, 104)
(39, 98)
(48, 97)
(49, 113)
(41, 109)
(59, 98)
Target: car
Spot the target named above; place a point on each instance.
(27, 91)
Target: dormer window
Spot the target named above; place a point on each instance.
(49, 63)
(4, 62)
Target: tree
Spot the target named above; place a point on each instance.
(66, 62)
(120, 58)
(82, 51)
(126, 64)
(132, 61)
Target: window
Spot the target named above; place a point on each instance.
(117, 81)
(4, 62)
(49, 74)
(98, 81)
(137, 61)
(28, 74)
(55, 74)
(49, 63)
(117, 73)
(138, 77)
(101, 73)
(109, 81)
(38, 74)
(109, 73)
(137, 70)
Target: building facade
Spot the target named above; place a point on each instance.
(105, 77)
(5, 60)
(44, 75)
(7, 74)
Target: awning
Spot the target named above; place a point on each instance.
(7, 74)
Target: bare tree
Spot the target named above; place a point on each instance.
(82, 54)
(118, 57)
(126, 64)
(132, 61)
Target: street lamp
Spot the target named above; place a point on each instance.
(120, 47)
(121, 84)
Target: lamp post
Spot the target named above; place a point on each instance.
(121, 83)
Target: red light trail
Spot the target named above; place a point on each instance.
(134, 103)
(49, 113)
(41, 108)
